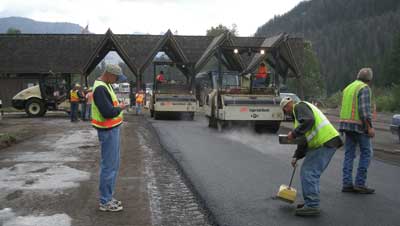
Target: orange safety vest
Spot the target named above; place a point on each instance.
(74, 96)
(139, 98)
(262, 72)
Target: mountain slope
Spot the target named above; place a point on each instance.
(346, 35)
(26, 25)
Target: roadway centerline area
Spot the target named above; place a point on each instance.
(238, 172)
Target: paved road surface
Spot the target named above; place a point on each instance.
(237, 173)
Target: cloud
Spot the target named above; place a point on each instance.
(151, 16)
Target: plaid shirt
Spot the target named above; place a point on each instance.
(364, 111)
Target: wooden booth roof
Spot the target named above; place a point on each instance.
(81, 53)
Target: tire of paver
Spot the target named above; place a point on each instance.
(35, 107)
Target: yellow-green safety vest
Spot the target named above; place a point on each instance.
(97, 119)
(349, 109)
(322, 130)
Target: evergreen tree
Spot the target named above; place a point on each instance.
(346, 35)
(313, 85)
(392, 64)
(13, 30)
(215, 31)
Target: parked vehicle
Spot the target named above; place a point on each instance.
(395, 126)
(50, 94)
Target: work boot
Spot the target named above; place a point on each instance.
(299, 206)
(307, 211)
(348, 189)
(364, 190)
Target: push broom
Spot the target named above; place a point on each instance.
(287, 193)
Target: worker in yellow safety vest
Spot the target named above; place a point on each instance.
(356, 124)
(107, 117)
(139, 102)
(74, 101)
(321, 140)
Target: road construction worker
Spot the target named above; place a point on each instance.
(262, 78)
(107, 117)
(74, 100)
(139, 102)
(356, 124)
(89, 100)
(82, 100)
(160, 77)
(320, 141)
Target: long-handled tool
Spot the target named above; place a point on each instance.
(287, 193)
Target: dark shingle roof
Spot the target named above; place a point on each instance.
(194, 46)
(138, 47)
(80, 53)
(37, 53)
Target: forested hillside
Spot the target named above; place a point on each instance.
(346, 35)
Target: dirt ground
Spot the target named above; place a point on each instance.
(50, 176)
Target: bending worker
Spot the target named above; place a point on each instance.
(106, 118)
(322, 140)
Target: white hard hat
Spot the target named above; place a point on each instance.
(285, 101)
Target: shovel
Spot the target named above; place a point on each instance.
(287, 193)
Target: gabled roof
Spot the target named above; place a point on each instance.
(109, 43)
(249, 42)
(230, 60)
(170, 46)
(193, 46)
(209, 52)
(278, 49)
(268, 44)
(80, 53)
(138, 47)
(41, 53)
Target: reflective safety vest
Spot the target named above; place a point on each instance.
(139, 98)
(349, 109)
(322, 130)
(262, 72)
(98, 120)
(74, 96)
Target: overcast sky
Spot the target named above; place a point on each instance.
(188, 17)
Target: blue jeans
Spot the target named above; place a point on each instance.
(83, 111)
(110, 160)
(364, 142)
(88, 111)
(138, 109)
(74, 111)
(313, 166)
